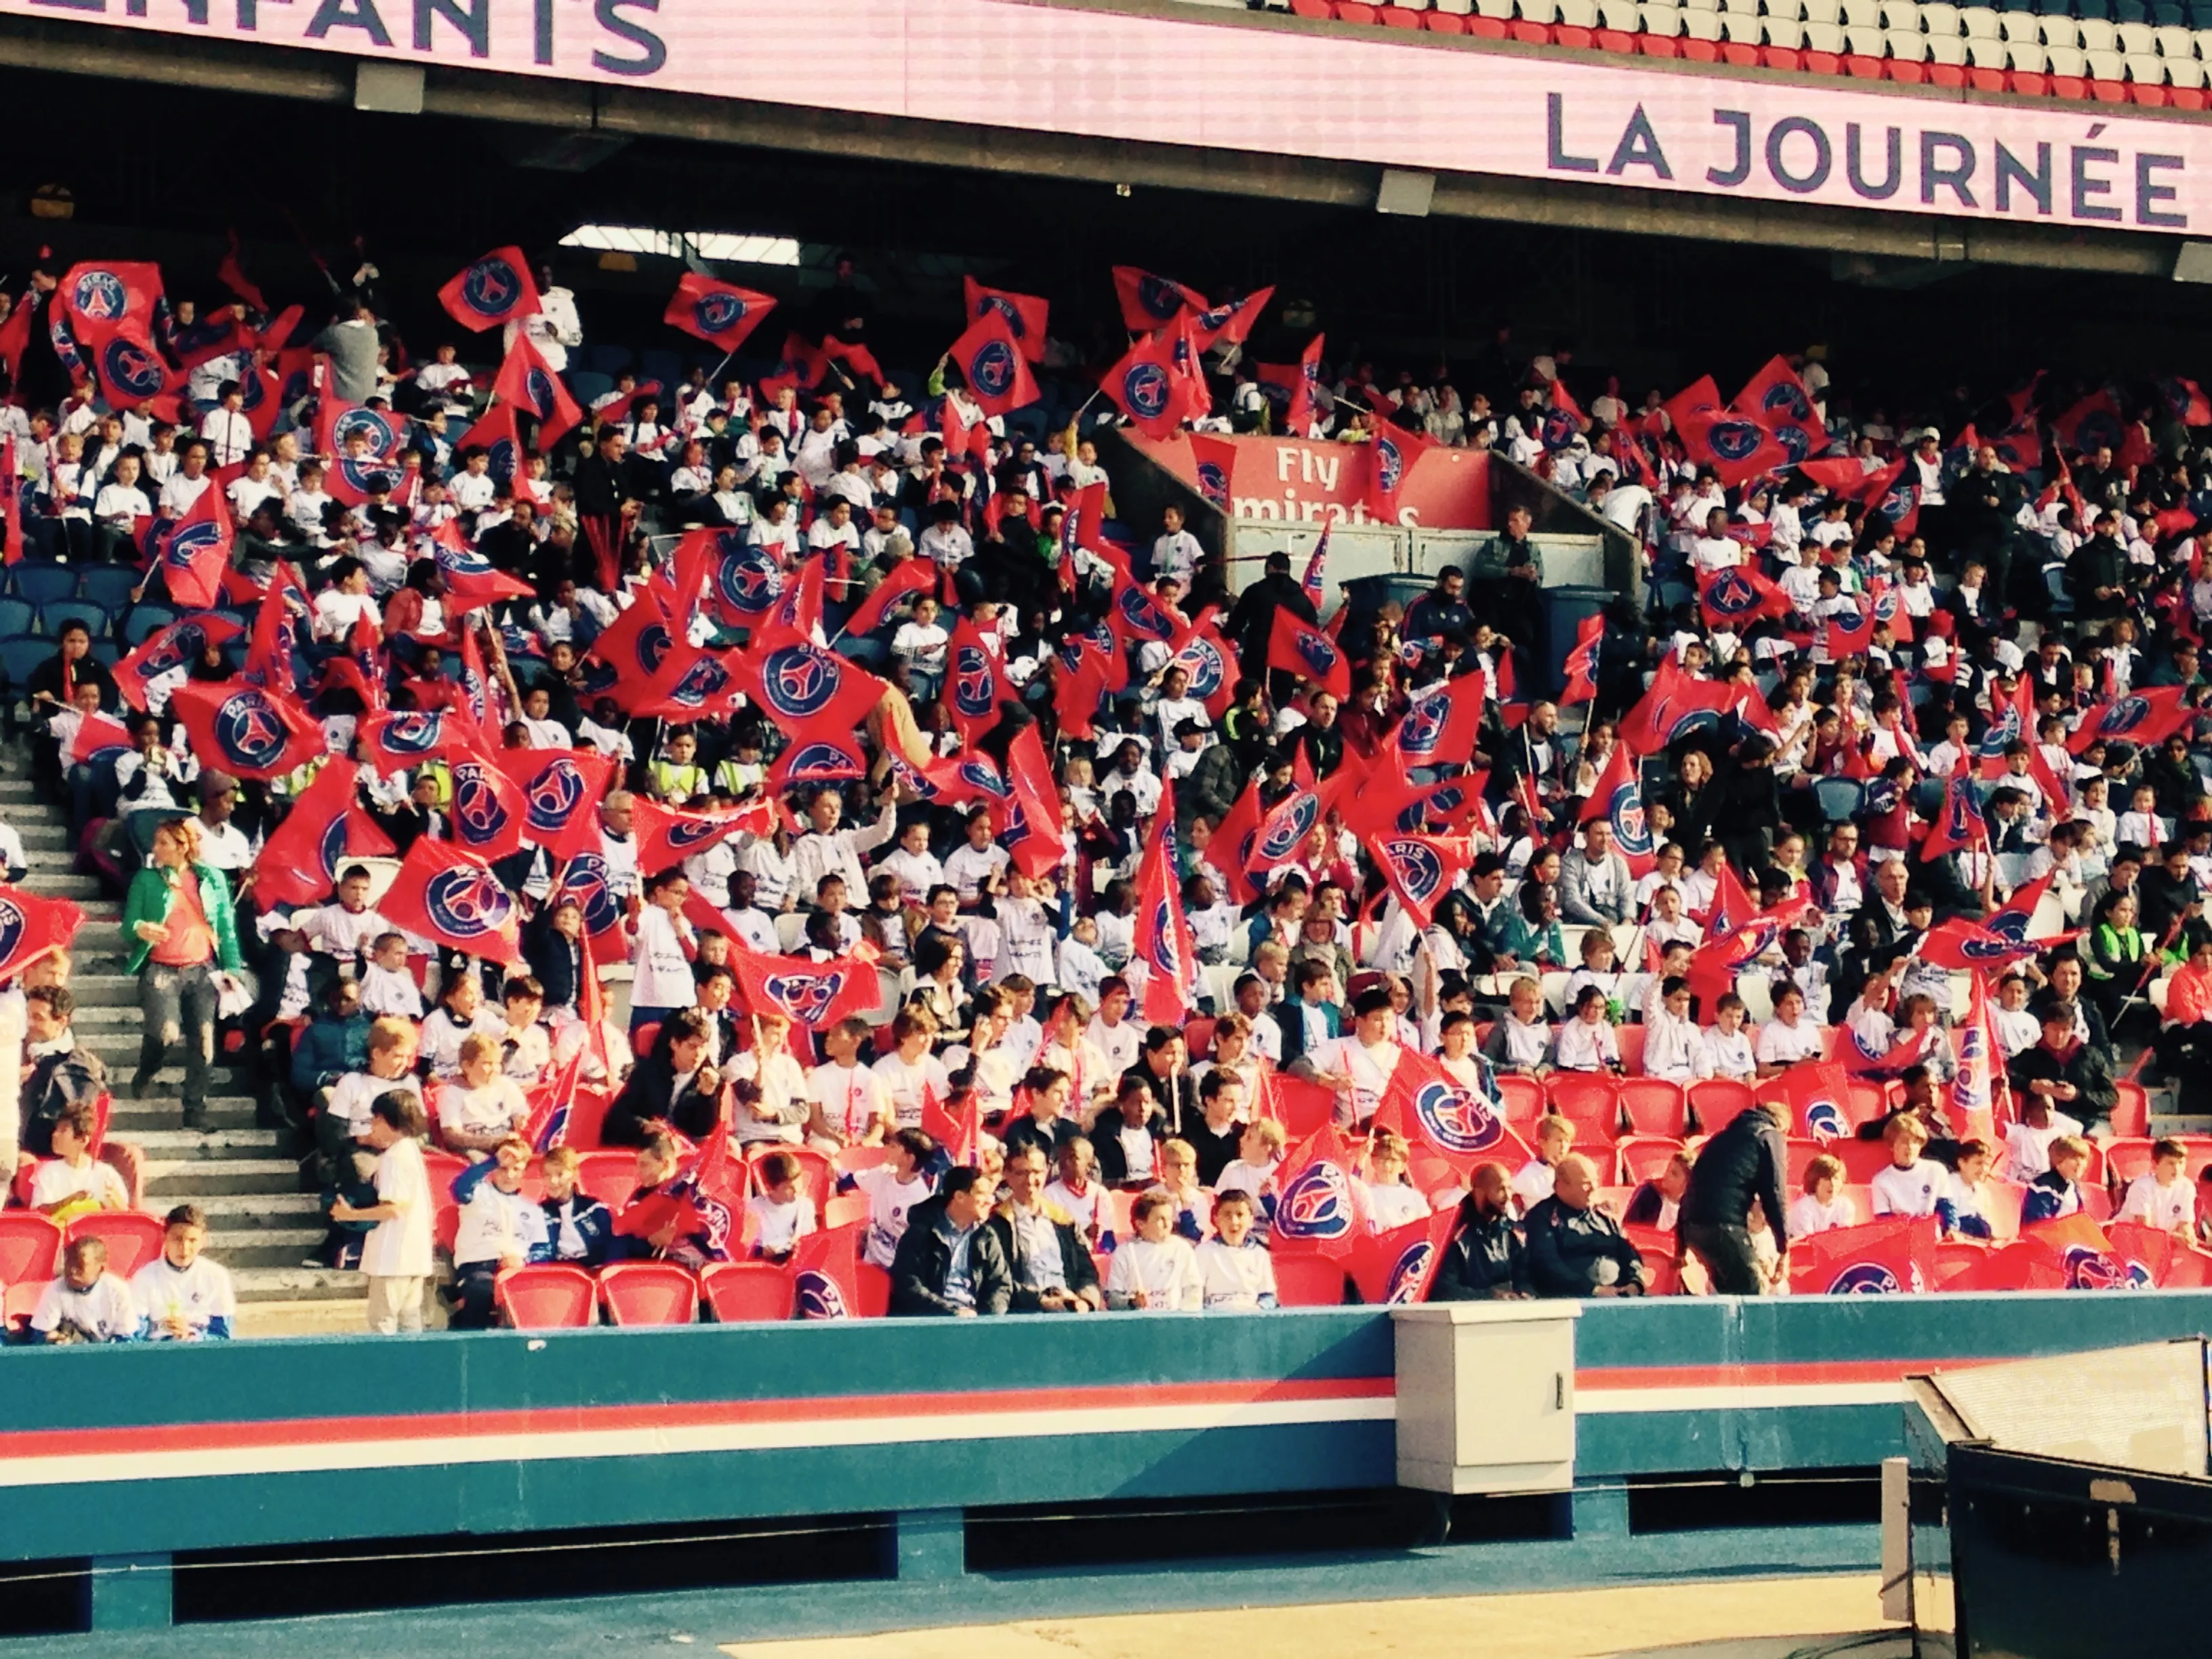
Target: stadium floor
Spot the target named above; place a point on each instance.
(1756, 1619)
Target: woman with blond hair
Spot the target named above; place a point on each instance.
(181, 931)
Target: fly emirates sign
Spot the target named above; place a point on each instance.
(1397, 98)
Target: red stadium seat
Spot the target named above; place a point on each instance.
(1905, 71)
(649, 1293)
(1116, 1221)
(2131, 1111)
(1862, 1160)
(1865, 1102)
(2032, 84)
(2199, 1148)
(1822, 62)
(820, 1173)
(547, 1297)
(1303, 1280)
(610, 1176)
(641, 1040)
(2109, 92)
(1630, 1041)
(1659, 46)
(1318, 9)
(2186, 97)
(1655, 1106)
(1615, 41)
(873, 1285)
(1485, 29)
(588, 1117)
(132, 1236)
(1354, 11)
(850, 1160)
(1742, 53)
(2097, 1204)
(30, 1248)
(1573, 35)
(1716, 1102)
(1801, 1154)
(837, 1211)
(441, 1169)
(1589, 1102)
(1699, 52)
(748, 1292)
(1522, 1097)
(1642, 1157)
(1198, 1036)
(1861, 67)
(1986, 80)
(1397, 17)
(2061, 86)
(1529, 32)
(2128, 1157)
(1946, 75)
(2003, 1203)
(1441, 22)
(1782, 57)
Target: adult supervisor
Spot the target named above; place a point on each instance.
(1749, 1159)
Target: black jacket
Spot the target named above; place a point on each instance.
(1216, 1152)
(556, 962)
(1251, 620)
(55, 1082)
(924, 1262)
(2082, 1064)
(1749, 1158)
(1565, 1247)
(651, 1093)
(1106, 1141)
(1019, 1135)
(1076, 1265)
(1484, 1259)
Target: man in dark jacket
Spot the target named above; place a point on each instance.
(2097, 571)
(59, 1074)
(2065, 1071)
(1747, 1159)
(1575, 1248)
(1251, 620)
(1485, 1260)
(949, 1262)
(1045, 1257)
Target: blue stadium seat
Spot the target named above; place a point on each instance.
(15, 616)
(2131, 11)
(53, 615)
(109, 586)
(106, 650)
(41, 584)
(586, 384)
(144, 620)
(665, 367)
(608, 359)
(21, 655)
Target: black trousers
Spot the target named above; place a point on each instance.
(1727, 1255)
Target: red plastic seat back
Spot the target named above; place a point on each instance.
(1589, 1102)
(546, 1297)
(1197, 1038)
(1716, 1102)
(132, 1236)
(30, 1249)
(842, 1212)
(649, 1293)
(1522, 1097)
(2126, 1158)
(2131, 1111)
(610, 1176)
(1308, 1281)
(874, 1286)
(1862, 1160)
(1630, 1040)
(1643, 1157)
(1655, 1106)
(742, 1293)
(588, 1117)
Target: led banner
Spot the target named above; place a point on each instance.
(1408, 101)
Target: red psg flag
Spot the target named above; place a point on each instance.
(1738, 596)
(487, 812)
(1441, 722)
(830, 758)
(192, 552)
(803, 688)
(245, 730)
(1891, 1257)
(1618, 799)
(2095, 421)
(97, 736)
(1581, 660)
(911, 575)
(1289, 389)
(132, 370)
(31, 928)
(1162, 939)
(1391, 459)
(1025, 314)
(1778, 400)
(825, 1272)
(1308, 654)
(1150, 383)
(1321, 1205)
(1397, 1268)
(399, 738)
(444, 894)
(101, 300)
(562, 789)
(493, 290)
(1420, 869)
(989, 358)
(300, 860)
(1818, 1094)
(665, 838)
(1434, 1110)
(2145, 718)
(1959, 824)
(1152, 302)
(814, 995)
(527, 381)
(972, 684)
(1231, 322)
(721, 313)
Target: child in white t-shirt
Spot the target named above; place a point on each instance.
(1234, 1269)
(1964, 1209)
(893, 1188)
(1390, 1201)
(484, 1108)
(1079, 1191)
(87, 1303)
(1155, 1271)
(387, 985)
(1911, 1184)
(782, 1213)
(73, 1182)
(1532, 1185)
(1824, 1204)
(1259, 1159)
(2165, 1198)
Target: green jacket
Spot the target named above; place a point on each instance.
(149, 901)
(1501, 555)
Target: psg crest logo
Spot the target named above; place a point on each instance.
(806, 997)
(247, 729)
(1865, 1278)
(701, 682)
(1389, 465)
(749, 579)
(1160, 297)
(1796, 442)
(2123, 716)
(1419, 870)
(182, 644)
(130, 372)
(501, 459)
(586, 882)
(1317, 1204)
(1899, 502)
(974, 690)
(1625, 812)
(99, 296)
(537, 390)
(479, 819)
(187, 542)
(2088, 1269)
(819, 763)
(1163, 956)
(1731, 594)
(368, 424)
(490, 286)
(409, 733)
(332, 850)
(1317, 653)
(1283, 839)
(2098, 429)
(686, 833)
(799, 681)
(978, 772)
(816, 1295)
(13, 922)
(1455, 1119)
(717, 314)
(467, 903)
(1145, 388)
(1824, 1120)
(1408, 1272)
(1213, 483)
(1142, 615)
(1785, 399)
(1007, 309)
(1201, 660)
(554, 797)
(993, 369)
(1734, 440)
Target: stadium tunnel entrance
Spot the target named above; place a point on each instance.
(417, 194)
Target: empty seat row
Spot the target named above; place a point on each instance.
(1739, 20)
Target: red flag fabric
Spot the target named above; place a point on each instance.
(910, 575)
(101, 299)
(232, 274)
(2187, 401)
(1998, 938)
(1891, 1257)
(494, 288)
(1209, 663)
(1299, 1106)
(1696, 403)
(1289, 389)
(1778, 400)
(1308, 654)
(825, 1272)
(2095, 421)
(1849, 636)
(471, 578)
(665, 838)
(11, 499)
(1024, 314)
(527, 381)
(192, 552)
(1440, 721)
(961, 1135)
(989, 358)
(131, 369)
(973, 685)
(31, 928)
(1981, 1067)
(830, 758)
(1618, 798)
(1152, 302)
(1397, 1268)
(1959, 824)
(1149, 385)
(2073, 1249)
(1435, 1111)
(487, 812)
(694, 683)
(1031, 827)
(300, 862)
(1739, 596)
(1233, 839)
(1391, 459)
(445, 894)
(1319, 1203)
(1736, 447)
(1420, 869)
(562, 789)
(1214, 461)
(1163, 942)
(814, 995)
(551, 1101)
(2145, 718)
(721, 313)
(399, 739)
(1818, 1093)
(245, 730)
(1582, 661)
(803, 688)
(1231, 322)
(1676, 705)
(96, 736)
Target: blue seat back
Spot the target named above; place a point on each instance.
(16, 615)
(19, 656)
(144, 620)
(43, 584)
(110, 584)
(55, 616)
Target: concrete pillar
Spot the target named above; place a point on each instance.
(129, 1592)
(932, 1544)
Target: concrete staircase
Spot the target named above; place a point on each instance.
(260, 1224)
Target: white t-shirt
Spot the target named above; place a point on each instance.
(1162, 1278)
(890, 1203)
(853, 1098)
(201, 1292)
(1394, 1206)
(1807, 1215)
(781, 1225)
(55, 1180)
(497, 1105)
(2163, 1207)
(105, 1313)
(662, 972)
(352, 1094)
(1911, 1191)
(1234, 1276)
(1782, 1045)
(2028, 1149)
(1533, 1184)
(400, 1247)
(906, 1085)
